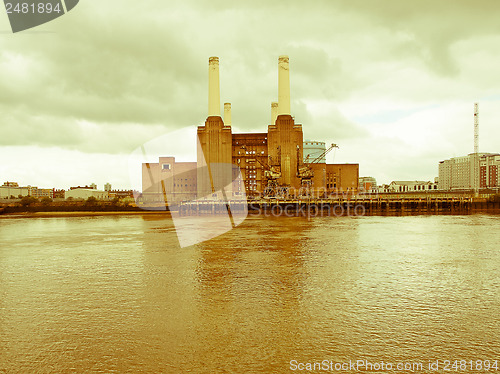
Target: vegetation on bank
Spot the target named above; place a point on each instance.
(31, 204)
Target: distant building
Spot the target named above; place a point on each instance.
(175, 181)
(80, 187)
(59, 194)
(368, 184)
(85, 193)
(9, 189)
(93, 186)
(10, 184)
(107, 187)
(121, 194)
(489, 167)
(411, 186)
(45, 192)
(458, 173)
(383, 188)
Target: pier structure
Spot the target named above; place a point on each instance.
(345, 206)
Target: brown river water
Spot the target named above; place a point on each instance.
(110, 294)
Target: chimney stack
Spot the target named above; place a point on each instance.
(227, 114)
(283, 86)
(274, 112)
(213, 87)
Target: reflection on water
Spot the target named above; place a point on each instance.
(117, 294)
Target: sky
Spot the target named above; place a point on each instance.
(393, 83)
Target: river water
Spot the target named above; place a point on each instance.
(118, 294)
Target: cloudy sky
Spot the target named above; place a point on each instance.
(392, 82)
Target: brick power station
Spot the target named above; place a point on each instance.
(269, 161)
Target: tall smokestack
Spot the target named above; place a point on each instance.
(227, 114)
(274, 112)
(213, 87)
(283, 86)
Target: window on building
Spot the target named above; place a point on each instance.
(165, 166)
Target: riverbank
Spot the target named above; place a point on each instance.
(33, 208)
(54, 214)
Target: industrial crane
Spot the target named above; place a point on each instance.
(305, 173)
(271, 174)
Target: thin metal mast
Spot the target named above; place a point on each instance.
(475, 157)
(476, 127)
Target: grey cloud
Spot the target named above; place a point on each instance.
(140, 67)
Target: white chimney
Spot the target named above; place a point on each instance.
(213, 87)
(227, 114)
(283, 86)
(274, 112)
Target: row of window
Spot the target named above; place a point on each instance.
(251, 152)
(417, 188)
(237, 142)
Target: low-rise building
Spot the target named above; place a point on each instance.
(121, 194)
(10, 184)
(412, 186)
(170, 180)
(85, 193)
(58, 194)
(45, 192)
(12, 189)
(6, 192)
(368, 184)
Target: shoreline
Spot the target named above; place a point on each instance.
(83, 214)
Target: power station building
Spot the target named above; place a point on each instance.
(275, 156)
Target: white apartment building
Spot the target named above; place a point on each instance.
(459, 173)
